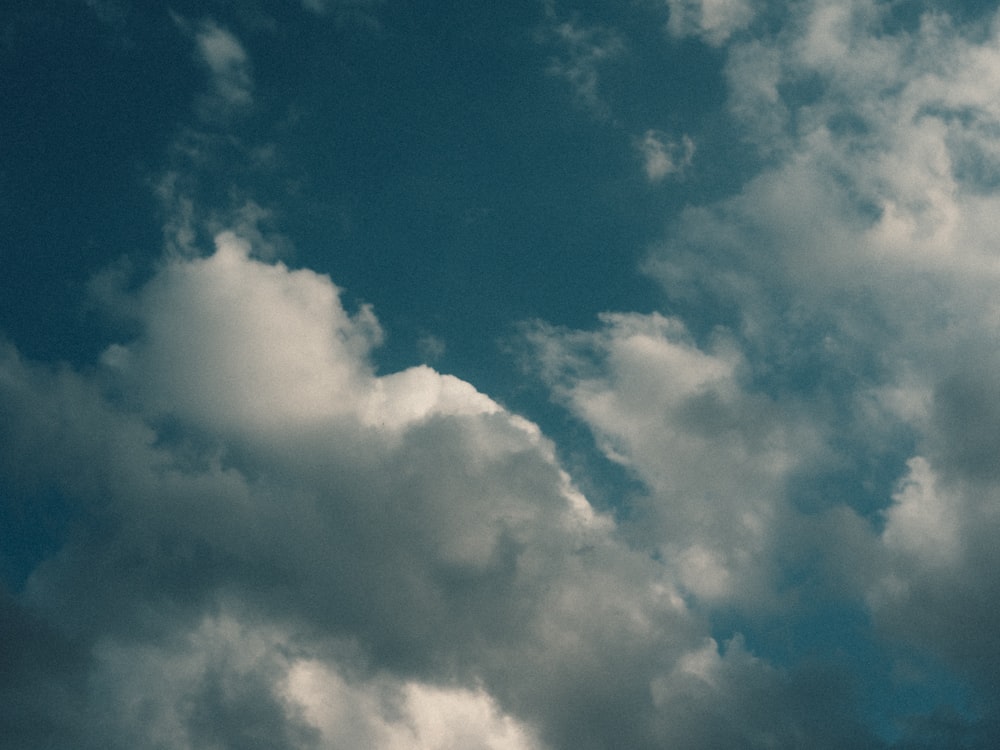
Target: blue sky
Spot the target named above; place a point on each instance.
(521, 376)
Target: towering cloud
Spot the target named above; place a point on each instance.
(253, 501)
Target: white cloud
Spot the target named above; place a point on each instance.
(361, 12)
(404, 716)
(277, 546)
(858, 272)
(270, 544)
(663, 156)
(240, 345)
(200, 361)
(225, 678)
(867, 202)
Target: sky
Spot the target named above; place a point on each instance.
(537, 375)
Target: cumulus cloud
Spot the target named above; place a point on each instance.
(270, 544)
(867, 202)
(227, 61)
(845, 314)
(401, 716)
(222, 448)
(362, 12)
(857, 272)
(306, 553)
(923, 519)
(712, 454)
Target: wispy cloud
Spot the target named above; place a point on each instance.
(713, 455)
(712, 20)
(664, 156)
(582, 52)
(223, 56)
(870, 244)
(268, 538)
(227, 61)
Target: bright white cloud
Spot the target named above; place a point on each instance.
(237, 344)
(854, 282)
(200, 361)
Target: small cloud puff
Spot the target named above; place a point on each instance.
(663, 156)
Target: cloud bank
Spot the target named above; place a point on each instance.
(317, 554)
(242, 532)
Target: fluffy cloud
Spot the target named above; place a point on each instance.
(286, 540)
(250, 455)
(358, 11)
(858, 274)
(713, 455)
(870, 238)
(400, 717)
(227, 61)
(582, 52)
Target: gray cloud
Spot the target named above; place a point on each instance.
(857, 275)
(271, 544)
(248, 511)
(712, 20)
